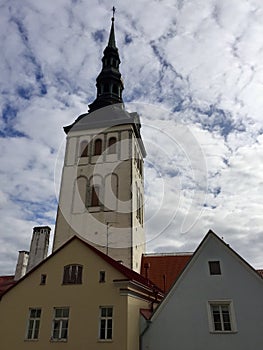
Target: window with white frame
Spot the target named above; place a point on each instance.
(221, 316)
(60, 323)
(33, 324)
(106, 323)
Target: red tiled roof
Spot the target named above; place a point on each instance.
(146, 313)
(163, 269)
(5, 283)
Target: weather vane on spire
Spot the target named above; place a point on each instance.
(113, 12)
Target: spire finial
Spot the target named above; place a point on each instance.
(113, 13)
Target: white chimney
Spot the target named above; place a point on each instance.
(21, 265)
(39, 246)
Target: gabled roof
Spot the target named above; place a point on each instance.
(128, 273)
(163, 269)
(210, 235)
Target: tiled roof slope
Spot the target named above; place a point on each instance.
(163, 269)
(5, 283)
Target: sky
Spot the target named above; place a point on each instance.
(193, 71)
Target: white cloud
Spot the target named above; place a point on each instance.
(202, 59)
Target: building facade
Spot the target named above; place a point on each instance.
(78, 298)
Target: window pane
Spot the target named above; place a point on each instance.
(65, 312)
(214, 267)
(109, 312)
(58, 313)
(103, 312)
(56, 329)
(36, 329)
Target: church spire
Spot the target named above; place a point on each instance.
(112, 42)
(109, 83)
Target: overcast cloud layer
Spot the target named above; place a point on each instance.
(192, 69)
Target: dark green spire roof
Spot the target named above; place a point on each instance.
(109, 83)
(112, 42)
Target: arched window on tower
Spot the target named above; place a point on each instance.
(95, 202)
(79, 197)
(97, 147)
(111, 192)
(106, 87)
(112, 145)
(84, 147)
(115, 89)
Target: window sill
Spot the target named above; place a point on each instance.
(105, 341)
(223, 332)
(58, 340)
(94, 209)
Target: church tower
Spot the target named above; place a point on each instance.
(101, 194)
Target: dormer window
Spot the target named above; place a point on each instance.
(72, 274)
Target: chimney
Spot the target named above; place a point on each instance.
(21, 265)
(39, 246)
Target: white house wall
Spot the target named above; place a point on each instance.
(182, 320)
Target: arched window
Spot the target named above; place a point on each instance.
(95, 202)
(79, 197)
(72, 274)
(106, 87)
(115, 89)
(97, 147)
(111, 192)
(112, 145)
(84, 148)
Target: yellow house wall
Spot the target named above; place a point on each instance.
(83, 300)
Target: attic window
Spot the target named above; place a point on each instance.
(102, 276)
(72, 274)
(214, 267)
(43, 279)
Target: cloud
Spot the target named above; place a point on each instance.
(187, 65)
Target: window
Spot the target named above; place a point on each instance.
(33, 324)
(106, 87)
(84, 148)
(97, 147)
(72, 274)
(221, 316)
(43, 279)
(102, 277)
(115, 89)
(214, 267)
(105, 326)
(60, 323)
(112, 145)
(95, 196)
